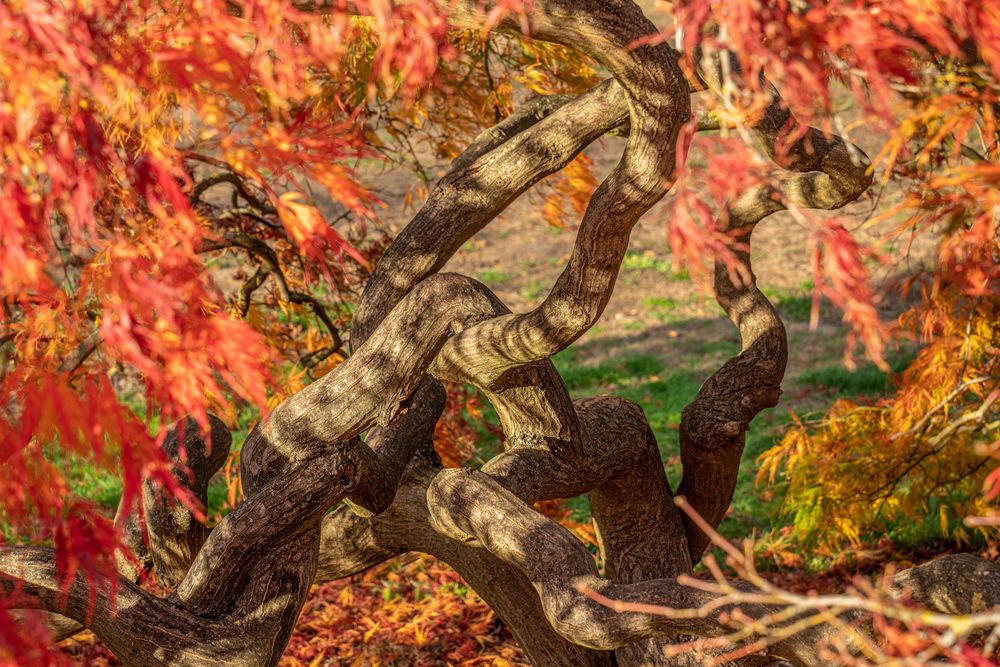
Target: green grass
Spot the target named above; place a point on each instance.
(795, 305)
(494, 277)
(661, 307)
(750, 513)
(586, 380)
(726, 347)
(104, 487)
(795, 308)
(866, 380)
(663, 394)
(534, 290)
(648, 262)
(95, 484)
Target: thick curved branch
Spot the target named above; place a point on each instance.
(713, 427)
(308, 455)
(173, 533)
(639, 529)
(657, 95)
(405, 527)
(476, 190)
(302, 460)
(468, 505)
(526, 115)
(640, 179)
(536, 427)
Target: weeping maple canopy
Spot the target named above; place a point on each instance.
(142, 140)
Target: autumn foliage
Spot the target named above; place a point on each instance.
(118, 121)
(927, 74)
(927, 450)
(163, 167)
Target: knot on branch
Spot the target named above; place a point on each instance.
(174, 533)
(443, 493)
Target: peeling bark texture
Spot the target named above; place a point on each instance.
(342, 475)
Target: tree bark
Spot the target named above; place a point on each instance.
(321, 503)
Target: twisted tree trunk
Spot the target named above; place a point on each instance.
(238, 590)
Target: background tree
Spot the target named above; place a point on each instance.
(140, 137)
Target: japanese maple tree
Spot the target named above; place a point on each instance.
(162, 165)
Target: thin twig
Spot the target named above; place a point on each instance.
(80, 354)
